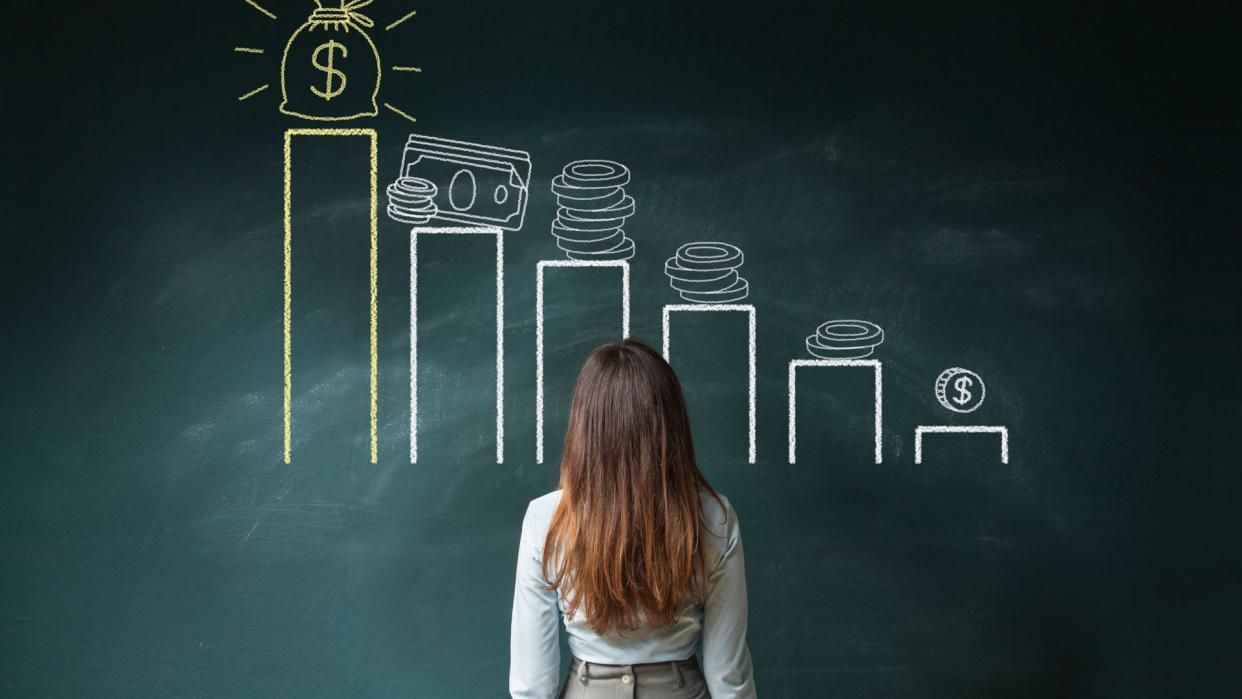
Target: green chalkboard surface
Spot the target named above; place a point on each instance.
(1045, 195)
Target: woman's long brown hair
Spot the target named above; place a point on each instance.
(625, 544)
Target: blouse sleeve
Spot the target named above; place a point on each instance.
(726, 657)
(534, 643)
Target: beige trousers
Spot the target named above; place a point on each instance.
(681, 679)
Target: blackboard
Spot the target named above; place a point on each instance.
(1043, 194)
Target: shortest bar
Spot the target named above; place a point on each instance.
(967, 429)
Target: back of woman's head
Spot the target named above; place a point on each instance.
(625, 545)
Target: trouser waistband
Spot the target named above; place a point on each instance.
(585, 670)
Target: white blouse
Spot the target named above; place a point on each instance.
(719, 626)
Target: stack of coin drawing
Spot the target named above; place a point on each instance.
(707, 273)
(593, 207)
(845, 339)
(412, 200)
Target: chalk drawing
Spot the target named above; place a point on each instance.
(592, 207)
(845, 339)
(459, 182)
(330, 67)
(539, 303)
(960, 390)
(476, 184)
(261, 9)
(752, 323)
(349, 89)
(373, 139)
(707, 273)
(874, 364)
(253, 92)
(395, 24)
(500, 329)
(400, 113)
(412, 200)
(969, 429)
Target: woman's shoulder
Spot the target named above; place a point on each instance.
(539, 511)
(538, 517)
(719, 518)
(547, 501)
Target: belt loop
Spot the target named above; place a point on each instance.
(582, 673)
(677, 671)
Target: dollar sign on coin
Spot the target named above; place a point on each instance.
(968, 387)
(962, 384)
(331, 89)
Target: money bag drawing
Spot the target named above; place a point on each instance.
(330, 70)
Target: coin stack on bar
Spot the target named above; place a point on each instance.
(592, 209)
(412, 200)
(707, 273)
(845, 339)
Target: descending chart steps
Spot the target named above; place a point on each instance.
(457, 188)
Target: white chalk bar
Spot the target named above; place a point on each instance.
(500, 328)
(873, 364)
(965, 429)
(752, 323)
(607, 267)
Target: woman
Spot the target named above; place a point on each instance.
(637, 554)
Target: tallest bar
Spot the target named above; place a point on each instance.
(373, 194)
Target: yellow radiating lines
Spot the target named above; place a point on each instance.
(374, 281)
(256, 6)
(407, 69)
(253, 92)
(399, 112)
(394, 24)
(243, 49)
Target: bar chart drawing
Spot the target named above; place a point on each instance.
(540, 266)
(752, 324)
(500, 328)
(873, 364)
(373, 138)
(965, 429)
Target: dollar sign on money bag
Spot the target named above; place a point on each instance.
(330, 70)
(962, 384)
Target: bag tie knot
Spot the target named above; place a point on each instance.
(347, 13)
